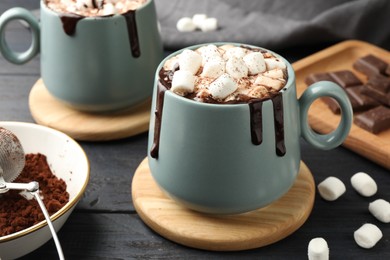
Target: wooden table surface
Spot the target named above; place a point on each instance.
(105, 224)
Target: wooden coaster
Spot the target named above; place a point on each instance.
(83, 126)
(222, 233)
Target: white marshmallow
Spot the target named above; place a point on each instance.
(190, 61)
(367, 235)
(209, 52)
(183, 82)
(198, 19)
(364, 184)
(236, 68)
(235, 52)
(275, 74)
(223, 86)
(255, 63)
(213, 68)
(209, 24)
(331, 188)
(269, 82)
(318, 249)
(274, 63)
(85, 3)
(109, 9)
(185, 24)
(380, 209)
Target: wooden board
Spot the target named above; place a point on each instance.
(222, 233)
(338, 57)
(48, 111)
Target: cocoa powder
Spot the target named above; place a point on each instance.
(17, 212)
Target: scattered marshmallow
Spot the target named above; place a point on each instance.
(367, 235)
(269, 82)
(237, 52)
(185, 24)
(275, 74)
(183, 82)
(190, 61)
(380, 209)
(364, 184)
(208, 25)
(255, 63)
(318, 249)
(198, 19)
(236, 68)
(275, 63)
(213, 68)
(331, 188)
(223, 86)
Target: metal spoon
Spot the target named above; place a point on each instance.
(12, 161)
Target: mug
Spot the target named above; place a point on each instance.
(95, 64)
(203, 155)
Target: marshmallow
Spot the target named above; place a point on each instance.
(274, 63)
(209, 52)
(209, 24)
(109, 9)
(236, 68)
(183, 82)
(223, 86)
(198, 19)
(255, 63)
(331, 188)
(213, 68)
(380, 209)
(185, 24)
(318, 249)
(364, 184)
(258, 92)
(367, 235)
(269, 82)
(235, 52)
(275, 74)
(190, 61)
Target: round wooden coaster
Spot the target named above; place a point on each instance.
(222, 233)
(83, 126)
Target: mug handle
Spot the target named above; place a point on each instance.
(336, 137)
(18, 13)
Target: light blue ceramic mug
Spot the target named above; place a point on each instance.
(92, 63)
(203, 155)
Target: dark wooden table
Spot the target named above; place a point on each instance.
(105, 224)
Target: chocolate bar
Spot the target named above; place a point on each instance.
(315, 77)
(380, 83)
(359, 101)
(345, 78)
(371, 65)
(378, 95)
(374, 120)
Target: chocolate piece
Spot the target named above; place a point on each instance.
(383, 98)
(345, 78)
(370, 65)
(360, 101)
(375, 120)
(315, 77)
(379, 83)
(388, 70)
(332, 104)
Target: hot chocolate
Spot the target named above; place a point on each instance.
(224, 74)
(94, 7)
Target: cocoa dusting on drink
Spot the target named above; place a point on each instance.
(72, 11)
(251, 86)
(18, 213)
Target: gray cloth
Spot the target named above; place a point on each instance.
(277, 24)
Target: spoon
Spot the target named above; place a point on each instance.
(12, 161)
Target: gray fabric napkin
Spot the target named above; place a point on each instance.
(277, 24)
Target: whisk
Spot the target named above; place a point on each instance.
(12, 161)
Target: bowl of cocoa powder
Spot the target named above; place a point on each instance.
(61, 167)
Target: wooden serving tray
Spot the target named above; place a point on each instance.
(338, 57)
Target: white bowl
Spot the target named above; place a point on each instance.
(67, 161)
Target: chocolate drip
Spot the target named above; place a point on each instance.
(69, 23)
(132, 33)
(158, 118)
(277, 102)
(256, 117)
